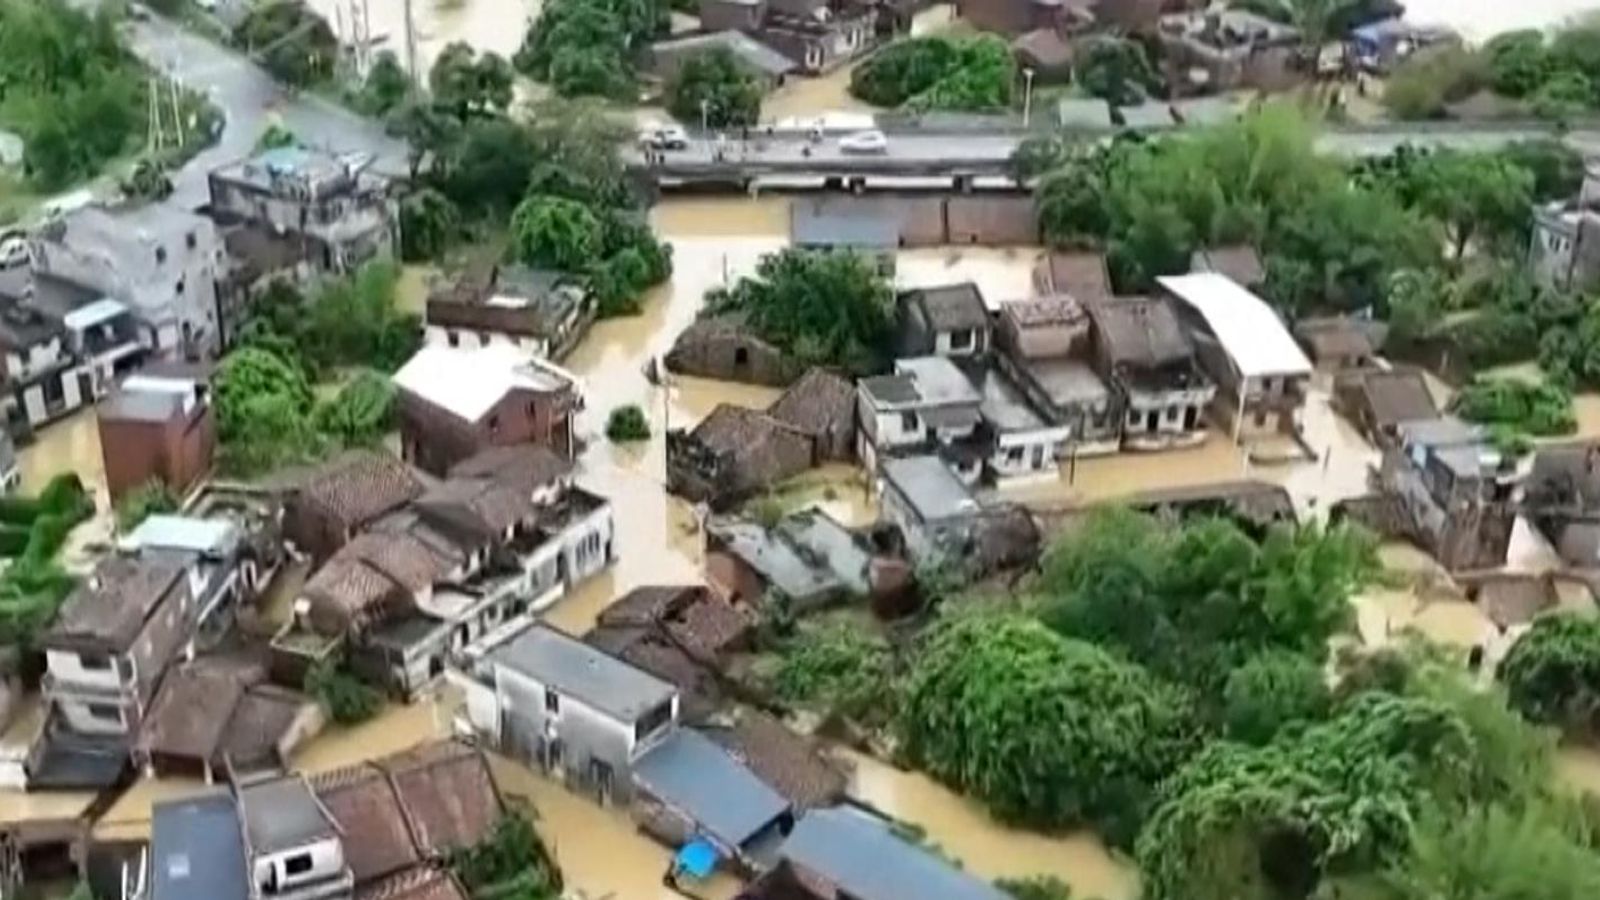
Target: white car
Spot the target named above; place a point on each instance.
(864, 142)
(13, 252)
(665, 137)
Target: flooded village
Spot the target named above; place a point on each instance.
(359, 675)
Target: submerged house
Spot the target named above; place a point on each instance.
(215, 716)
(682, 634)
(927, 404)
(343, 496)
(1564, 251)
(546, 313)
(159, 426)
(1379, 401)
(822, 405)
(734, 453)
(951, 320)
(293, 848)
(582, 716)
(1045, 348)
(1142, 351)
(807, 559)
(1262, 375)
(1562, 501)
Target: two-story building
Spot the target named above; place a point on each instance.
(951, 320)
(333, 212)
(54, 365)
(1046, 345)
(160, 262)
(1143, 352)
(933, 508)
(818, 36)
(293, 848)
(1262, 375)
(455, 402)
(158, 426)
(579, 714)
(546, 313)
(927, 403)
(114, 638)
(1564, 251)
(223, 571)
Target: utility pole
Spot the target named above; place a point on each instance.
(1027, 95)
(177, 110)
(411, 46)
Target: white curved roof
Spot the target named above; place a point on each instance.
(1246, 327)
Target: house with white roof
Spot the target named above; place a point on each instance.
(1261, 373)
(455, 402)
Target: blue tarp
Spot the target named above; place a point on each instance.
(698, 858)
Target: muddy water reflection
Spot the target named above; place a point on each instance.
(497, 25)
(985, 847)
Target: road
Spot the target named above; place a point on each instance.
(925, 152)
(250, 100)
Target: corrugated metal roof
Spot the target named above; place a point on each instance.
(1248, 329)
(197, 850)
(727, 802)
(859, 854)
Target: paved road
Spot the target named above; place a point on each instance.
(919, 152)
(250, 99)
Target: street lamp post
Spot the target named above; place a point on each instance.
(1027, 96)
(705, 115)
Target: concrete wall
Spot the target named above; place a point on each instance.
(440, 336)
(433, 439)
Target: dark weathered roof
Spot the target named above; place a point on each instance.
(819, 401)
(1081, 274)
(411, 806)
(23, 325)
(1043, 48)
(360, 486)
(372, 568)
(1566, 477)
(790, 763)
(526, 466)
(1140, 331)
(110, 607)
(419, 883)
(815, 224)
(1261, 502)
(281, 813)
(197, 849)
(575, 669)
(726, 801)
(731, 428)
(693, 617)
(189, 715)
(746, 49)
(1334, 336)
(891, 389)
(1051, 309)
(1395, 396)
(865, 859)
(1238, 262)
(699, 693)
(949, 307)
(140, 406)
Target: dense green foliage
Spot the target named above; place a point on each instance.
(69, 87)
(1426, 83)
(360, 413)
(556, 233)
(511, 862)
(33, 585)
(263, 407)
(1329, 242)
(1195, 602)
(1115, 69)
(290, 40)
(836, 670)
(1043, 887)
(938, 72)
(1552, 673)
(1270, 691)
(387, 86)
(713, 86)
(346, 322)
(820, 307)
(469, 84)
(1478, 198)
(585, 48)
(627, 423)
(1539, 409)
(345, 698)
(429, 224)
(1044, 730)
(1558, 74)
(146, 500)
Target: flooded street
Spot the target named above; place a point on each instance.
(485, 25)
(961, 828)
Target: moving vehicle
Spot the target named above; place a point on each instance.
(664, 137)
(872, 141)
(13, 252)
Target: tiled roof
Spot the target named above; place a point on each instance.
(358, 487)
(788, 762)
(816, 402)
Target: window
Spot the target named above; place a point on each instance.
(652, 721)
(178, 288)
(908, 421)
(191, 240)
(1172, 414)
(1014, 454)
(299, 864)
(741, 356)
(1266, 384)
(961, 339)
(452, 338)
(106, 711)
(94, 662)
(494, 423)
(483, 339)
(161, 256)
(552, 701)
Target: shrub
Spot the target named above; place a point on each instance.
(148, 499)
(345, 698)
(627, 423)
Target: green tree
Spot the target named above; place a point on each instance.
(627, 424)
(1518, 62)
(556, 233)
(824, 308)
(836, 670)
(1044, 887)
(583, 47)
(511, 862)
(429, 131)
(346, 699)
(1542, 409)
(1575, 47)
(429, 224)
(360, 413)
(468, 83)
(1425, 83)
(1557, 168)
(1115, 69)
(387, 85)
(487, 168)
(1474, 196)
(716, 83)
(1563, 97)
(248, 374)
(1552, 673)
(292, 42)
(903, 70)
(938, 72)
(1043, 730)
(1272, 690)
